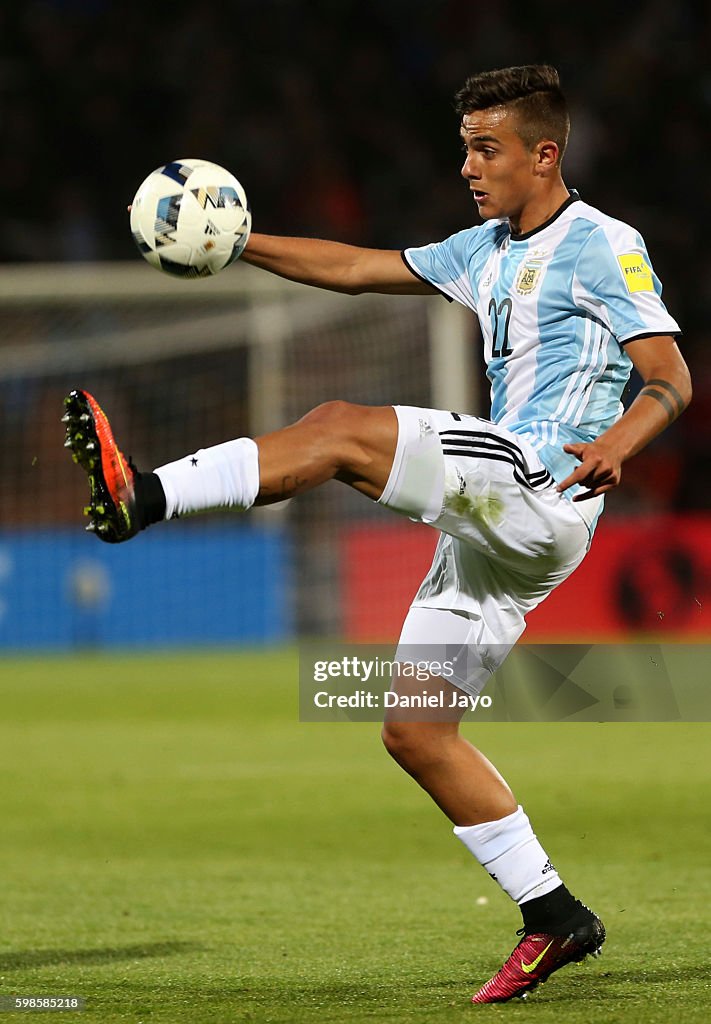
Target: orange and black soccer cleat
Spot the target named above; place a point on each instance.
(113, 510)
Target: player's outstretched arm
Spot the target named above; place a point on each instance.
(665, 395)
(333, 265)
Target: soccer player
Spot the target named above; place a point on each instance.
(568, 302)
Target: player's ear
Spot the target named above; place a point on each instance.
(546, 153)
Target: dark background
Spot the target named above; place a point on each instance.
(337, 117)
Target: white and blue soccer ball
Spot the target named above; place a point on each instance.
(190, 218)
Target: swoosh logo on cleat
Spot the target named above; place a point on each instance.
(527, 968)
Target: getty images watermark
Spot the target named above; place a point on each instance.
(367, 682)
(361, 676)
(631, 682)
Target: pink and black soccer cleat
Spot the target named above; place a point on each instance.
(537, 956)
(112, 497)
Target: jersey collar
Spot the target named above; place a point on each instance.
(572, 198)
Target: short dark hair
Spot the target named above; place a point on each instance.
(532, 91)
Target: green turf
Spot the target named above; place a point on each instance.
(176, 847)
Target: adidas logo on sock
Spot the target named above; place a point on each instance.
(547, 867)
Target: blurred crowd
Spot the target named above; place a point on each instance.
(337, 117)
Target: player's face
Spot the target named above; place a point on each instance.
(498, 166)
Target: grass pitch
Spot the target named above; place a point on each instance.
(176, 847)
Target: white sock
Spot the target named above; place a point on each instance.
(224, 476)
(512, 855)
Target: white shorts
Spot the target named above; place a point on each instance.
(507, 537)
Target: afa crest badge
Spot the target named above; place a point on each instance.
(529, 276)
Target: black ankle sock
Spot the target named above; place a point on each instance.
(553, 911)
(150, 499)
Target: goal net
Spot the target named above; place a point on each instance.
(178, 367)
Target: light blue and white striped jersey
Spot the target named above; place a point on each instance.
(556, 306)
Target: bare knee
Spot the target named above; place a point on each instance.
(416, 745)
(358, 441)
(333, 428)
(337, 417)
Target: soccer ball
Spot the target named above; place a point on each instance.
(190, 218)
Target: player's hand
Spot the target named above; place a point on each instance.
(600, 469)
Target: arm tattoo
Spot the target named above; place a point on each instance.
(672, 392)
(287, 489)
(667, 395)
(290, 485)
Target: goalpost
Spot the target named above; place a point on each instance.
(181, 365)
